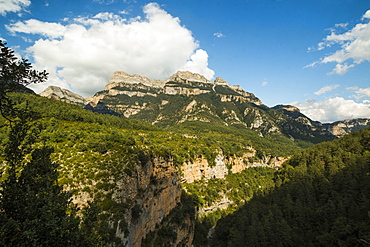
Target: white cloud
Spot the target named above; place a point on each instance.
(13, 6)
(354, 46)
(82, 55)
(124, 12)
(104, 1)
(341, 69)
(367, 15)
(32, 26)
(198, 63)
(264, 83)
(326, 89)
(363, 92)
(342, 25)
(359, 92)
(219, 35)
(334, 109)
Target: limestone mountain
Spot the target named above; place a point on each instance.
(65, 95)
(187, 97)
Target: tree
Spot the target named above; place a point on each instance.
(15, 74)
(34, 209)
(33, 206)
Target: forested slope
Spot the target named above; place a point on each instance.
(321, 198)
(96, 156)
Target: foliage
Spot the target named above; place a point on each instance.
(14, 76)
(34, 209)
(238, 188)
(50, 108)
(322, 198)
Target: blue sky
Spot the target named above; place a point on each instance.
(313, 54)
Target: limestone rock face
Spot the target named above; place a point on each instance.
(220, 81)
(152, 190)
(200, 168)
(188, 76)
(63, 95)
(156, 190)
(122, 77)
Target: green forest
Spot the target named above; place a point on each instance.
(321, 197)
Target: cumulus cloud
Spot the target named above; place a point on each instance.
(326, 89)
(13, 6)
(354, 46)
(82, 54)
(198, 63)
(334, 109)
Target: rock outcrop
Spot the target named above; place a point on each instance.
(156, 191)
(120, 77)
(341, 128)
(147, 193)
(65, 95)
(201, 168)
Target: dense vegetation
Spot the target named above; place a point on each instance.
(34, 209)
(94, 148)
(321, 198)
(233, 191)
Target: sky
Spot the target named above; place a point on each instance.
(313, 54)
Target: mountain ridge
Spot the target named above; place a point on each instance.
(186, 97)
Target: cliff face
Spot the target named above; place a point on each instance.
(147, 194)
(201, 168)
(156, 191)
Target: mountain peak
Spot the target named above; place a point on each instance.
(289, 108)
(123, 77)
(220, 81)
(189, 76)
(65, 95)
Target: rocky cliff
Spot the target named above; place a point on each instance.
(155, 191)
(143, 199)
(201, 168)
(138, 87)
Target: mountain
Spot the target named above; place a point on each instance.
(186, 98)
(341, 128)
(65, 95)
